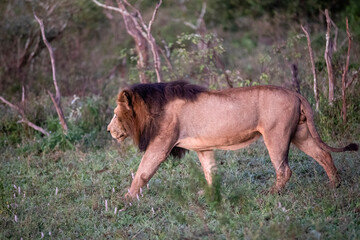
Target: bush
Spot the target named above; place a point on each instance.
(330, 123)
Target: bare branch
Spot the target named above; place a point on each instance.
(57, 99)
(111, 8)
(51, 52)
(189, 24)
(328, 56)
(153, 17)
(23, 118)
(354, 76)
(312, 67)
(166, 57)
(16, 108)
(34, 126)
(202, 14)
(35, 50)
(23, 97)
(59, 112)
(199, 20)
(23, 94)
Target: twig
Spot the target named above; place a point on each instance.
(23, 96)
(312, 67)
(59, 112)
(111, 8)
(354, 76)
(166, 56)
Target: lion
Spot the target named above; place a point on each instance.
(170, 118)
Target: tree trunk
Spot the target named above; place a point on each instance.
(343, 79)
(140, 44)
(328, 57)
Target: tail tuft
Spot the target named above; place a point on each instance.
(351, 147)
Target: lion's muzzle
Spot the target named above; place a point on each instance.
(116, 129)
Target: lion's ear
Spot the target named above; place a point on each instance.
(125, 97)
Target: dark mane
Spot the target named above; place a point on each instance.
(155, 97)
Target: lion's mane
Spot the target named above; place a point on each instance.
(148, 101)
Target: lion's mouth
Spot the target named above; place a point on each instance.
(121, 137)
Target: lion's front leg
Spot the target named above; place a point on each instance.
(150, 162)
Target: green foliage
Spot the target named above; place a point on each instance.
(226, 13)
(85, 117)
(88, 15)
(10, 130)
(330, 122)
(352, 12)
(195, 56)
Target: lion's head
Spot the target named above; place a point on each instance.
(129, 117)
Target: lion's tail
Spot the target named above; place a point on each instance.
(311, 126)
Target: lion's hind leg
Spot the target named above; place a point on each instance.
(306, 143)
(279, 158)
(208, 164)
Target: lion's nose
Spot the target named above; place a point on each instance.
(108, 128)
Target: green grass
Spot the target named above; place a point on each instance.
(172, 207)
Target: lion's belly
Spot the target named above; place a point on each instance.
(223, 142)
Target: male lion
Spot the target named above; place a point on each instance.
(170, 118)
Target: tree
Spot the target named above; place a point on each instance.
(139, 30)
(57, 98)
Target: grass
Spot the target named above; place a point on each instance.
(62, 194)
